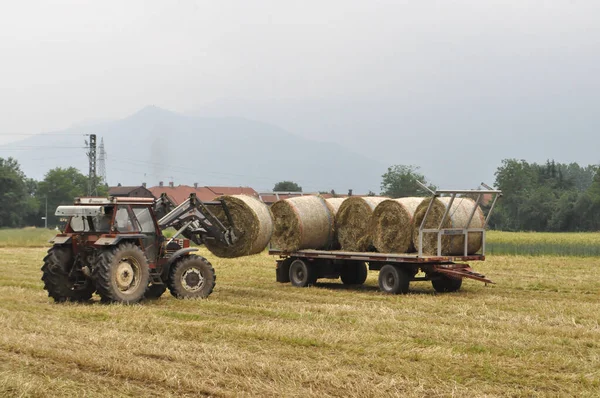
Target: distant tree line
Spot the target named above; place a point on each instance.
(549, 197)
(23, 200)
(536, 197)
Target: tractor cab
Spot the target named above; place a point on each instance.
(112, 215)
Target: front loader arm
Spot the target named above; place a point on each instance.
(196, 222)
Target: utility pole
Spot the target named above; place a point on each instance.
(46, 215)
(91, 154)
(102, 163)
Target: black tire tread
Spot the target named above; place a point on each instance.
(102, 274)
(55, 275)
(445, 284)
(354, 274)
(179, 291)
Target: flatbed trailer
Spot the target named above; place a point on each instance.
(303, 267)
(396, 270)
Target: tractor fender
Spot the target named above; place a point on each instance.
(60, 239)
(174, 257)
(181, 252)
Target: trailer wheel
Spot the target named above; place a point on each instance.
(393, 279)
(354, 273)
(445, 284)
(302, 274)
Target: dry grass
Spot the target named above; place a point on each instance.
(535, 333)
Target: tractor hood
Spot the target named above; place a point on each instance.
(79, 211)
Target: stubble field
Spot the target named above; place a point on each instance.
(535, 333)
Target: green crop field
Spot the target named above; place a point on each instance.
(534, 333)
(583, 244)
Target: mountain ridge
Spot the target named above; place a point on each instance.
(155, 144)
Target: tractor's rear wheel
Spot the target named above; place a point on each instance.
(445, 284)
(61, 281)
(192, 277)
(122, 274)
(154, 291)
(354, 273)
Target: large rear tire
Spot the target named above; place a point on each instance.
(445, 284)
(393, 279)
(192, 277)
(59, 279)
(354, 273)
(122, 274)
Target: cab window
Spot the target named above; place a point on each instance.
(123, 221)
(144, 218)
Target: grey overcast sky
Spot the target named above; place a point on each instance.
(63, 62)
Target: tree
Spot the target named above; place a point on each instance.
(60, 186)
(287, 186)
(15, 204)
(401, 181)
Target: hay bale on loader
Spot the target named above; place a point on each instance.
(392, 225)
(352, 222)
(303, 222)
(457, 217)
(249, 215)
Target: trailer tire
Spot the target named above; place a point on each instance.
(393, 279)
(445, 284)
(354, 273)
(302, 273)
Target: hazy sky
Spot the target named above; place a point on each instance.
(67, 61)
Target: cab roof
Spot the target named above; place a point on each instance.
(113, 200)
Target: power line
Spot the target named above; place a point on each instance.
(28, 147)
(40, 134)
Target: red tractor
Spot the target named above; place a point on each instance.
(115, 247)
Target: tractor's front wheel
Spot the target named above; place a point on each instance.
(192, 277)
(122, 274)
(62, 282)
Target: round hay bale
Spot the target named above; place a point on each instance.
(334, 206)
(352, 222)
(303, 222)
(253, 224)
(392, 225)
(458, 216)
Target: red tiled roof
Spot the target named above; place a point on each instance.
(181, 192)
(233, 191)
